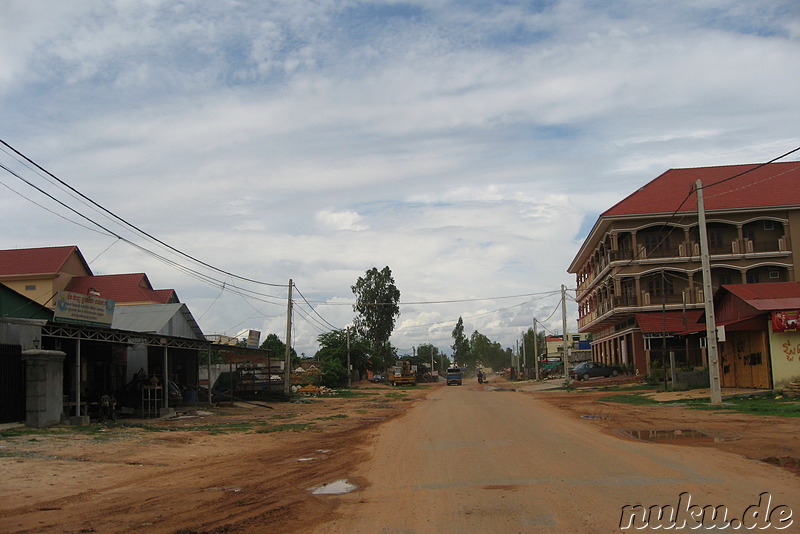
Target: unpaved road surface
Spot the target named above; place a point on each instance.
(492, 461)
(426, 459)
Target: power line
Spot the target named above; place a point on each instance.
(128, 224)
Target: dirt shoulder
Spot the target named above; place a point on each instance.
(771, 439)
(240, 468)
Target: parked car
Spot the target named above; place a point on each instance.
(588, 370)
(378, 379)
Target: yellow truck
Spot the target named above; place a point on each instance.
(404, 374)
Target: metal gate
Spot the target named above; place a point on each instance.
(12, 384)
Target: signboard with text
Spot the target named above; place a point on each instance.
(785, 321)
(76, 308)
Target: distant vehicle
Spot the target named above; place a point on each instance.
(588, 370)
(404, 374)
(454, 376)
(378, 379)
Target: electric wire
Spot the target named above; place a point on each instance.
(134, 227)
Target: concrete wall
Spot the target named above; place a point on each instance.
(44, 387)
(26, 334)
(785, 354)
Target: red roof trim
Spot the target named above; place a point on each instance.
(670, 322)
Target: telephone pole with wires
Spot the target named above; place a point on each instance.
(287, 365)
(708, 297)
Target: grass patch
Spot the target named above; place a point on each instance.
(33, 433)
(329, 417)
(633, 388)
(284, 416)
(396, 395)
(288, 427)
(754, 406)
(352, 393)
(635, 398)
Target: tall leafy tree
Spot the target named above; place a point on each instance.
(427, 352)
(460, 343)
(527, 338)
(277, 349)
(377, 308)
(333, 346)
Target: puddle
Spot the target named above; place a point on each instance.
(335, 488)
(306, 459)
(787, 462)
(674, 437)
(493, 388)
(592, 417)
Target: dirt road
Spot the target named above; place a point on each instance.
(426, 459)
(484, 461)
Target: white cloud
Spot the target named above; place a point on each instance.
(341, 220)
(465, 145)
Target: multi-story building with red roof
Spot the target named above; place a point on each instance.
(639, 270)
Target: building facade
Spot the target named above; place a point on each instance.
(639, 279)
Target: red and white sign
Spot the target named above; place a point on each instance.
(785, 321)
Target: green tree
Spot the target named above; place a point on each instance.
(377, 309)
(485, 353)
(333, 345)
(277, 349)
(426, 351)
(460, 344)
(529, 344)
(334, 373)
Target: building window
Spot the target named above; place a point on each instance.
(769, 225)
(753, 278)
(657, 241)
(715, 239)
(30, 287)
(655, 286)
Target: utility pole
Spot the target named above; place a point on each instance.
(349, 373)
(524, 359)
(708, 297)
(536, 348)
(564, 329)
(287, 364)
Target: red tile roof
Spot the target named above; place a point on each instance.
(29, 261)
(123, 288)
(773, 185)
(671, 321)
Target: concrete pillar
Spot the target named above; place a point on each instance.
(44, 387)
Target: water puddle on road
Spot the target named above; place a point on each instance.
(674, 437)
(787, 462)
(334, 488)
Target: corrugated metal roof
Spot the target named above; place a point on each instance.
(768, 296)
(671, 321)
(168, 319)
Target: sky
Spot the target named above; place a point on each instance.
(467, 145)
